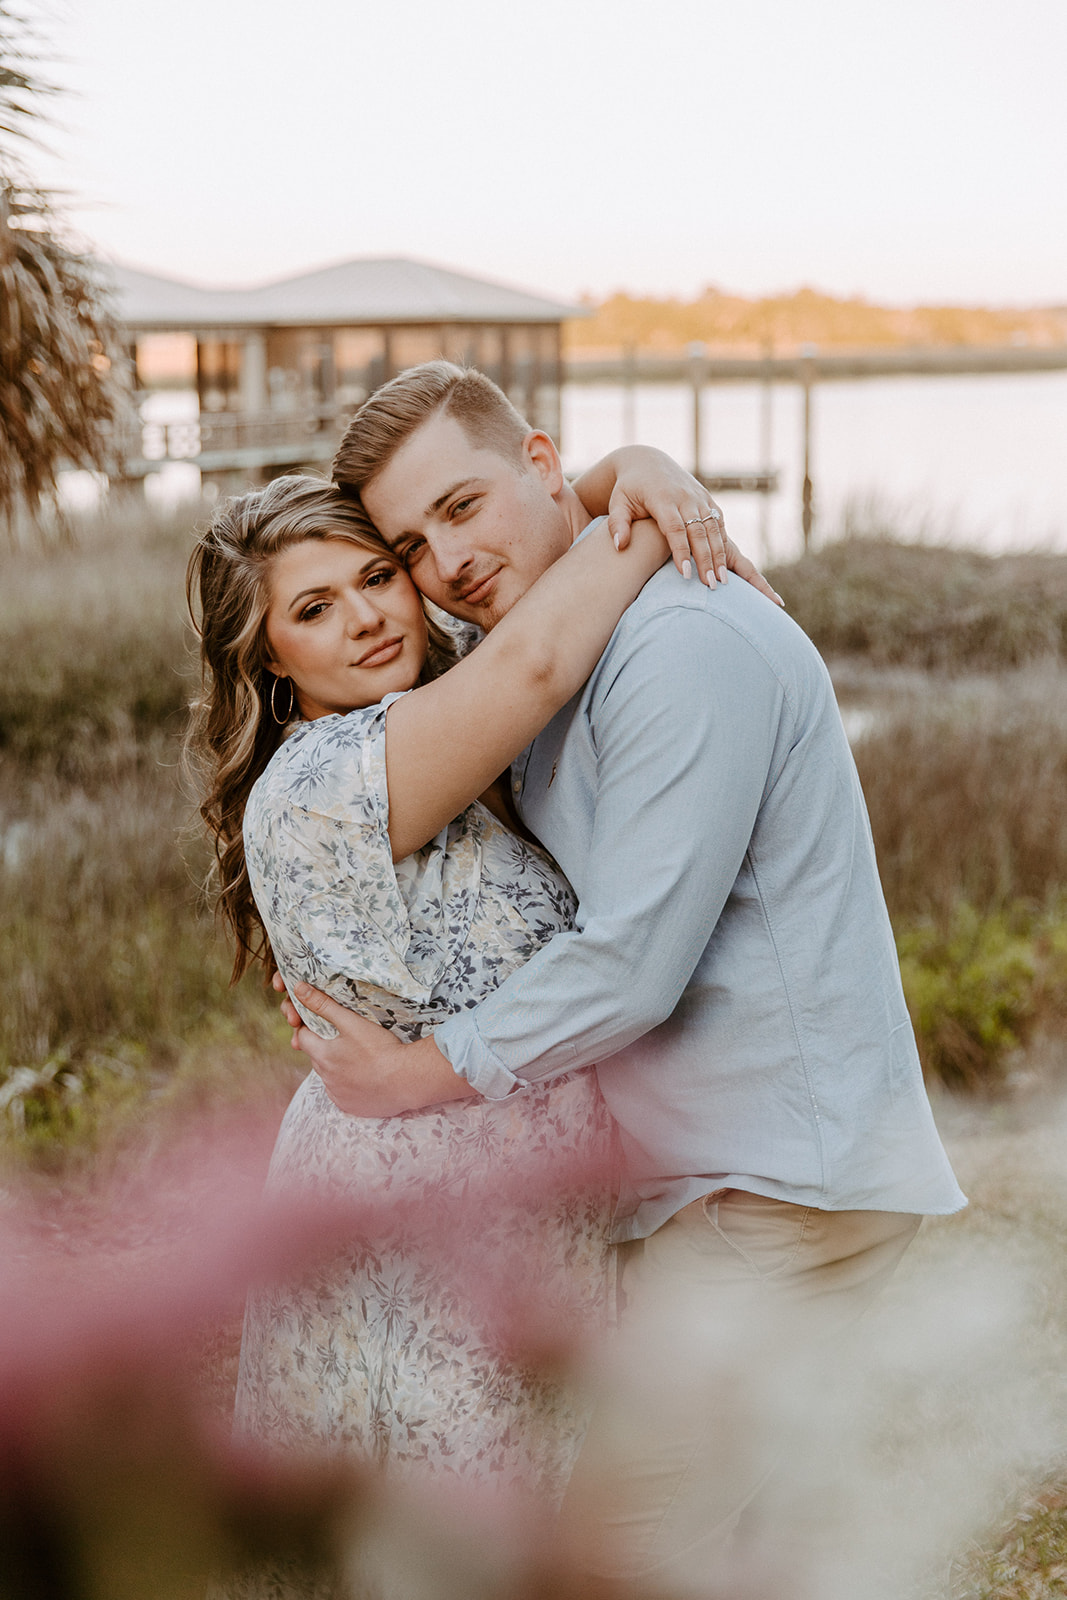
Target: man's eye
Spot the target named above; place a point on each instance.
(413, 550)
(461, 507)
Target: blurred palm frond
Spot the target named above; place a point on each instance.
(59, 394)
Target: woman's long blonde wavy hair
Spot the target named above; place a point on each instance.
(233, 732)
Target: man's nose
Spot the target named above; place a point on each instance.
(451, 553)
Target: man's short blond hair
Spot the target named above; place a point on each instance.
(393, 413)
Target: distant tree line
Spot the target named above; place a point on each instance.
(784, 322)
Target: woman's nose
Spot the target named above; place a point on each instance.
(363, 615)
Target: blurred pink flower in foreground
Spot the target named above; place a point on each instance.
(119, 1481)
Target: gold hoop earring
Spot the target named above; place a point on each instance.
(281, 721)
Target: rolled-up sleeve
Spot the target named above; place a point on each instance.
(685, 729)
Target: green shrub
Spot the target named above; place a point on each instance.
(977, 987)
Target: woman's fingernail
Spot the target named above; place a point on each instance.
(615, 541)
(723, 574)
(687, 569)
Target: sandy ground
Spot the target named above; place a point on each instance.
(962, 1410)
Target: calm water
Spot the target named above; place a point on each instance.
(981, 461)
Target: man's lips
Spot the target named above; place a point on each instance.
(388, 650)
(475, 595)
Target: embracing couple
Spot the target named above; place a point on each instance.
(725, 962)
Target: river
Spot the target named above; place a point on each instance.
(972, 460)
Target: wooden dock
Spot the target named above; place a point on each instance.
(232, 446)
(699, 369)
(816, 366)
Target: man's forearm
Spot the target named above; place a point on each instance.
(368, 1071)
(427, 1078)
(400, 1077)
(653, 873)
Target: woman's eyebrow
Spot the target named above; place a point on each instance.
(324, 588)
(319, 588)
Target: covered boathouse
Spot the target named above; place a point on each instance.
(269, 375)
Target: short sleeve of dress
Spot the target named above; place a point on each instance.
(339, 913)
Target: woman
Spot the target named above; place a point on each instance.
(357, 855)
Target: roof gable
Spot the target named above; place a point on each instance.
(365, 290)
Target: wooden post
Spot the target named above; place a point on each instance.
(629, 394)
(766, 448)
(696, 353)
(807, 510)
(557, 384)
(253, 372)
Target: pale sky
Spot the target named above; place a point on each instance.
(906, 150)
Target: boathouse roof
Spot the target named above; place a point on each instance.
(365, 290)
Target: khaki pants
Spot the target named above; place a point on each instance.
(733, 1311)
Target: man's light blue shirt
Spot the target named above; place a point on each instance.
(733, 970)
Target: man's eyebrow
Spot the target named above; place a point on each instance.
(431, 511)
(461, 483)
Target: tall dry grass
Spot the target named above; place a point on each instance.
(116, 977)
(956, 663)
(965, 784)
(116, 982)
(893, 602)
(97, 657)
(964, 779)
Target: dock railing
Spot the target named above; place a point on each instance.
(698, 369)
(228, 441)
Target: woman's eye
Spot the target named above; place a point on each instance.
(383, 575)
(315, 609)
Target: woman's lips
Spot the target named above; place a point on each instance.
(388, 650)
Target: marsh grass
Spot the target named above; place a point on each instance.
(964, 779)
(97, 654)
(957, 662)
(117, 982)
(117, 995)
(965, 783)
(893, 602)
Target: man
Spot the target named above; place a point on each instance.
(732, 970)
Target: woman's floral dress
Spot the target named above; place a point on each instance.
(380, 1353)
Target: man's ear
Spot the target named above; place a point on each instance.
(542, 457)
